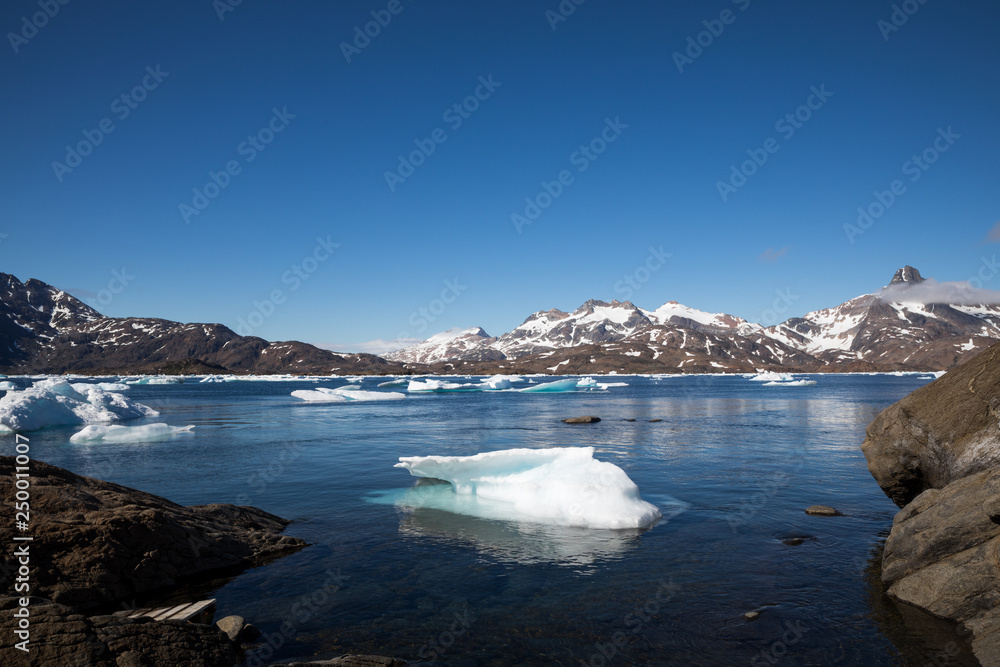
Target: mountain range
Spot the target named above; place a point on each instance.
(45, 330)
(888, 330)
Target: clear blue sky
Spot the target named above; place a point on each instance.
(323, 174)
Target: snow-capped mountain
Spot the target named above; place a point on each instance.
(45, 330)
(891, 329)
(472, 344)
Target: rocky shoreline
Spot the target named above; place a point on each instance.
(936, 454)
(99, 546)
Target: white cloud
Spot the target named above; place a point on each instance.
(931, 291)
(378, 346)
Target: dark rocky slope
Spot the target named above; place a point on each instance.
(936, 454)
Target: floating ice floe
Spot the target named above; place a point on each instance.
(113, 386)
(399, 382)
(118, 433)
(571, 384)
(771, 376)
(55, 402)
(563, 486)
(344, 395)
(495, 383)
(6, 385)
(791, 383)
(167, 379)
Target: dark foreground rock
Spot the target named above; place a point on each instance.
(936, 453)
(97, 544)
(61, 636)
(353, 661)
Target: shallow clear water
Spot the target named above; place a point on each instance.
(744, 459)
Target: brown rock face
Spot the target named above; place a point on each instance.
(62, 636)
(97, 544)
(936, 453)
(939, 433)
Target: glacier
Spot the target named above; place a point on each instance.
(563, 486)
(117, 433)
(56, 402)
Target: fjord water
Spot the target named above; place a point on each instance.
(732, 464)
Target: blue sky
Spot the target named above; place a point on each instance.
(641, 137)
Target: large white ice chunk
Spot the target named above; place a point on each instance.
(344, 395)
(118, 433)
(55, 402)
(771, 376)
(564, 486)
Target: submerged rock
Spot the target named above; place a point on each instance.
(97, 544)
(582, 420)
(936, 454)
(822, 510)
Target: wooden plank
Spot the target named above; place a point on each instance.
(181, 612)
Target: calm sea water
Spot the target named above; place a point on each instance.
(744, 459)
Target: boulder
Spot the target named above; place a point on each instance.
(232, 626)
(582, 420)
(97, 544)
(822, 510)
(936, 454)
(941, 432)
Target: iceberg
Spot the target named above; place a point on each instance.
(401, 382)
(770, 376)
(563, 486)
(552, 387)
(168, 379)
(344, 395)
(118, 433)
(113, 386)
(791, 383)
(55, 402)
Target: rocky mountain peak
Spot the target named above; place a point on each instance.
(908, 275)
